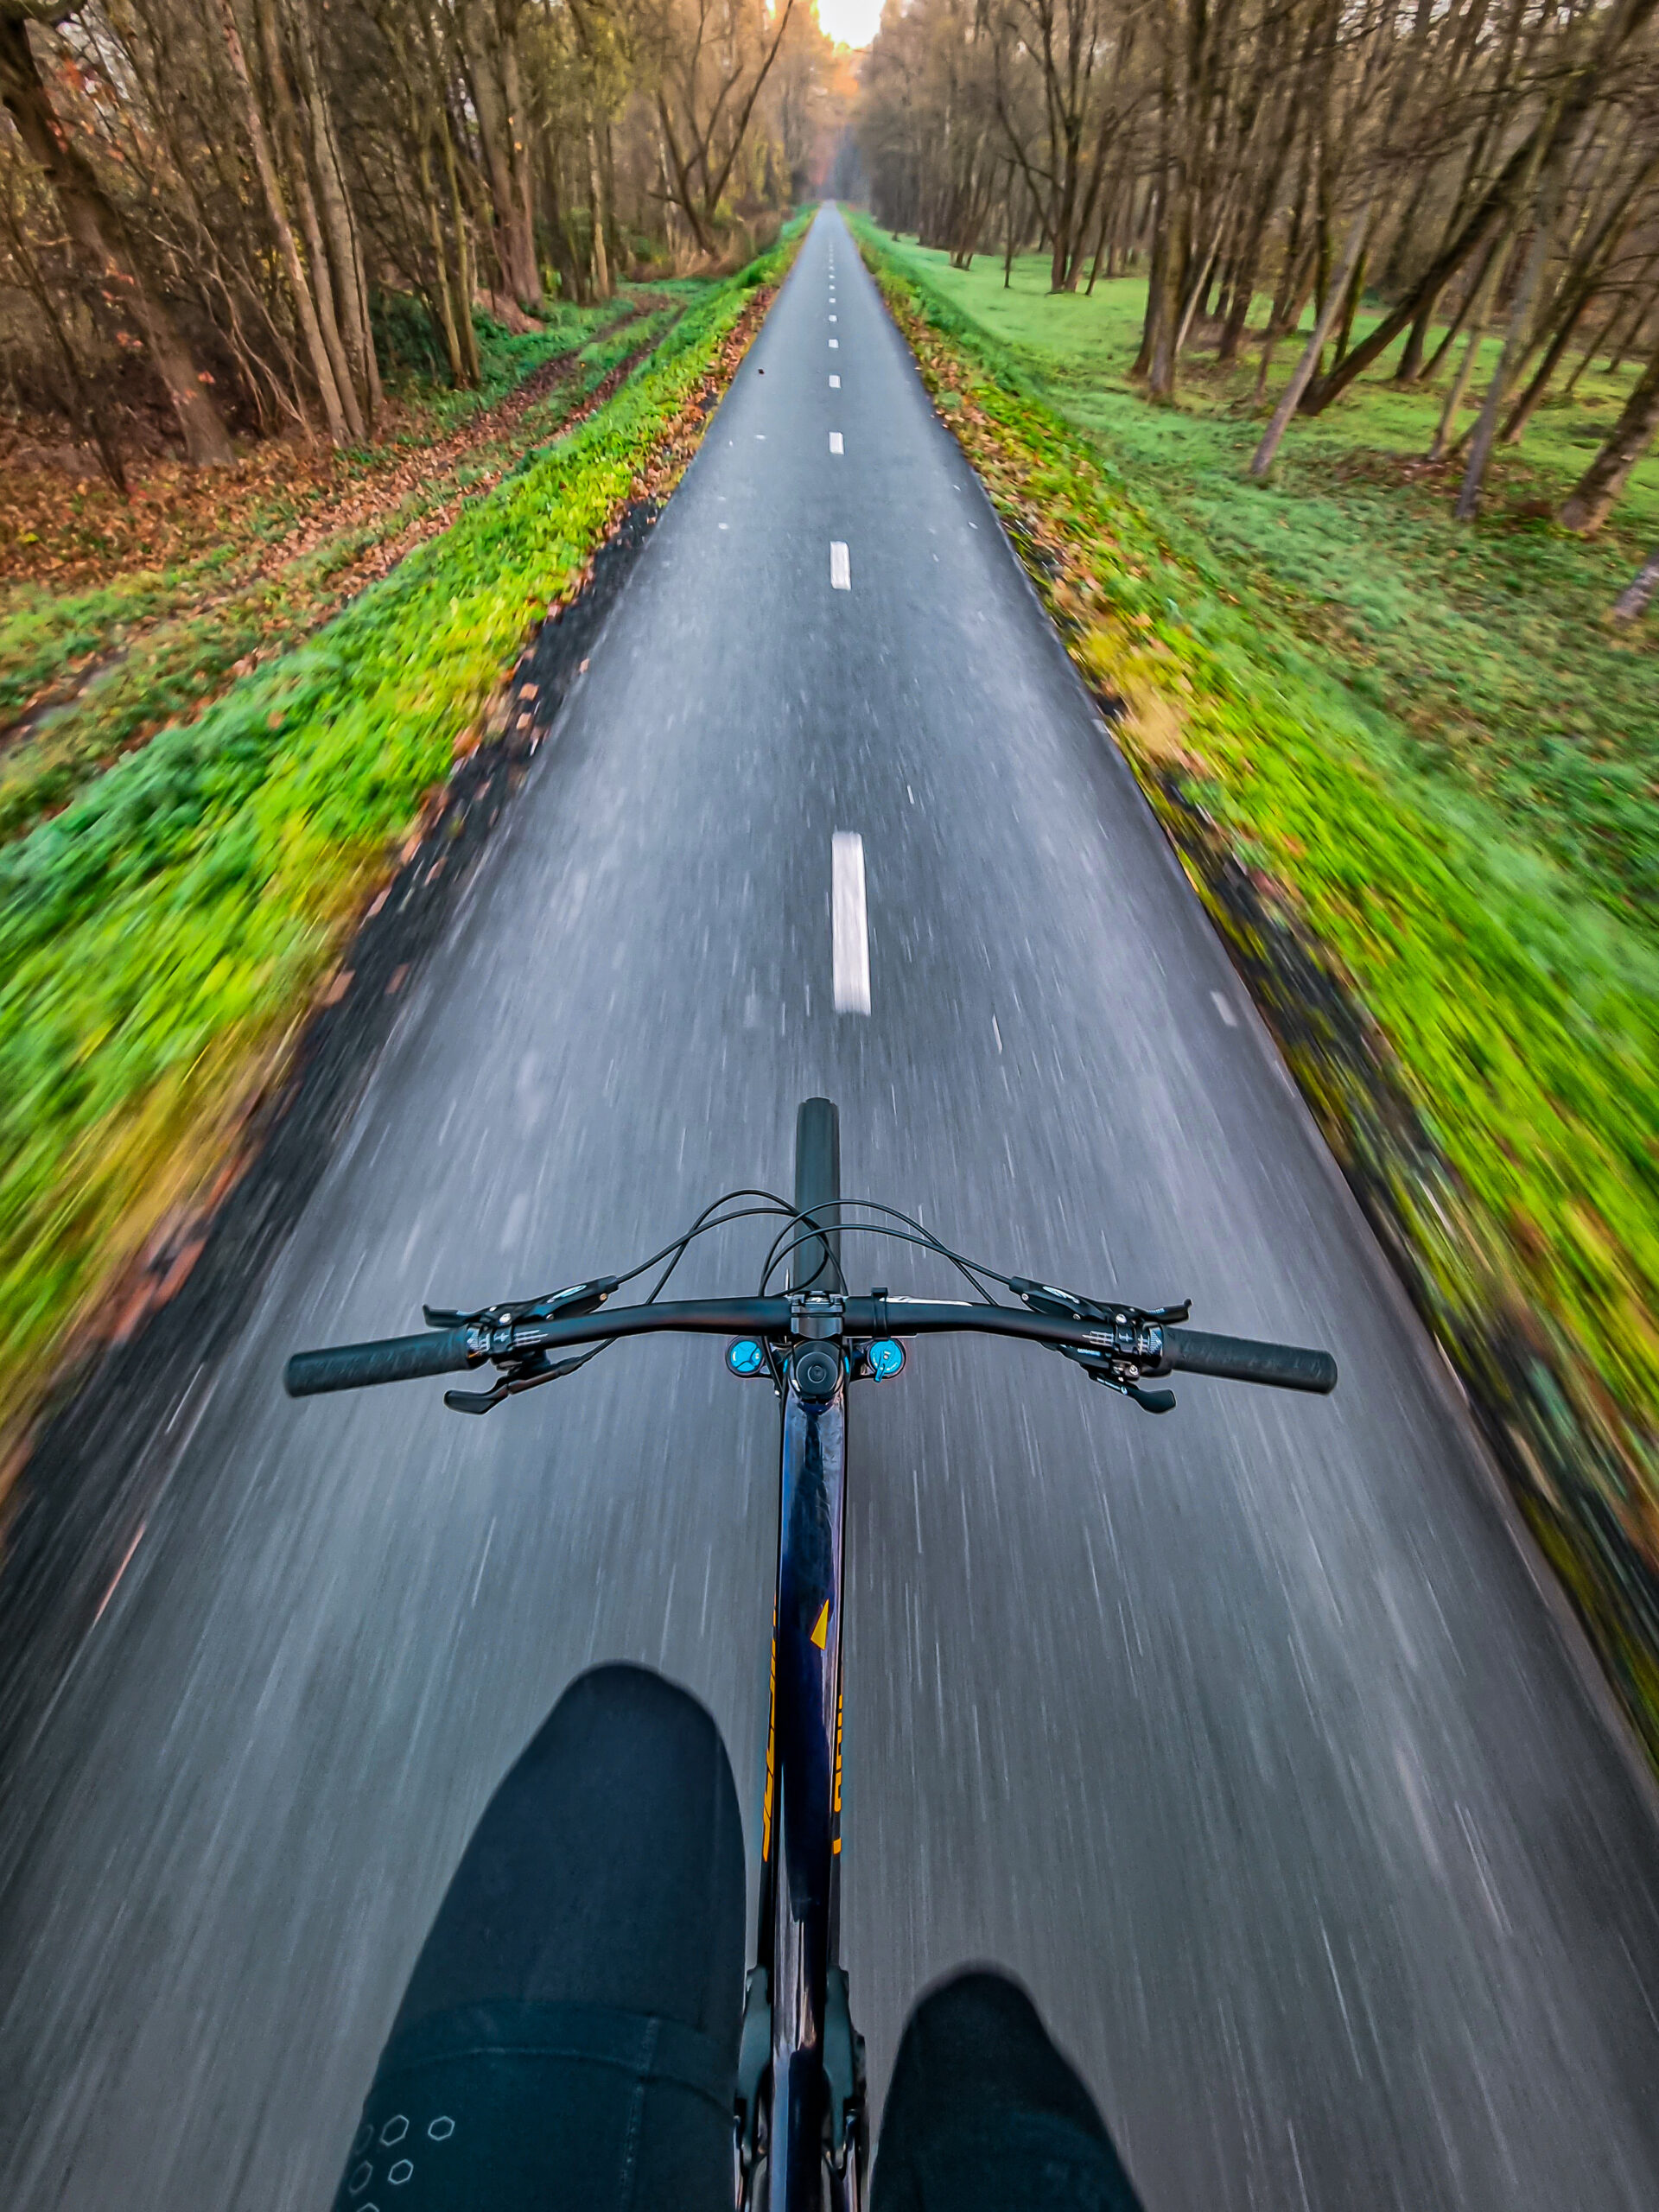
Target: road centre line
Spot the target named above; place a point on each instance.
(835, 345)
(849, 932)
(841, 567)
(834, 384)
(834, 442)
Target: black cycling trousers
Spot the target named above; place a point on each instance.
(568, 2037)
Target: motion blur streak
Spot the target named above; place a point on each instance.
(1242, 1736)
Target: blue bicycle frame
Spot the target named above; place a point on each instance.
(815, 2108)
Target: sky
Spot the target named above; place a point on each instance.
(853, 21)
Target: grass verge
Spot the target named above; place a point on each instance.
(1475, 1026)
(1487, 648)
(87, 676)
(163, 938)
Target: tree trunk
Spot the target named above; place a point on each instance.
(1163, 312)
(601, 265)
(323, 290)
(685, 198)
(1515, 342)
(93, 223)
(304, 305)
(1445, 429)
(1281, 318)
(1630, 329)
(465, 283)
(446, 309)
(1598, 341)
(1444, 436)
(1638, 596)
(1107, 216)
(1593, 497)
(1246, 269)
(1475, 297)
(1164, 292)
(1159, 248)
(1409, 366)
(1527, 406)
(519, 143)
(84, 406)
(1351, 307)
(1268, 450)
(486, 38)
(339, 223)
(1269, 346)
(1199, 286)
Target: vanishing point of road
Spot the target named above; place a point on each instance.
(1244, 1737)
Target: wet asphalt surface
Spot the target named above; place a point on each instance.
(1243, 1737)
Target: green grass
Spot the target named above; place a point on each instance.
(1371, 708)
(162, 936)
(187, 651)
(1487, 649)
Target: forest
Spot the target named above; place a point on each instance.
(1363, 174)
(239, 219)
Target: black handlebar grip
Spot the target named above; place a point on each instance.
(1241, 1359)
(394, 1359)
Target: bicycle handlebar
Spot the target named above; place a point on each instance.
(1243, 1359)
(392, 1359)
(1150, 1349)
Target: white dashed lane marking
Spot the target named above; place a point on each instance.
(841, 571)
(834, 384)
(1225, 1010)
(849, 923)
(834, 442)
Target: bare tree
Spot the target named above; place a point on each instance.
(1593, 496)
(96, 225)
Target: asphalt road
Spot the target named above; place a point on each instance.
(1242, 1737)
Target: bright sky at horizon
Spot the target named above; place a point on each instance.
(853, 22)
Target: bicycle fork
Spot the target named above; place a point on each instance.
(800, 2107)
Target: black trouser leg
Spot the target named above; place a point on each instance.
(984, 2115)
(569, 2037)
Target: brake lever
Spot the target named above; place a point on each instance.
(579, 1298)
(535, 1368)
(1098, 1369)
(1150, 1402)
